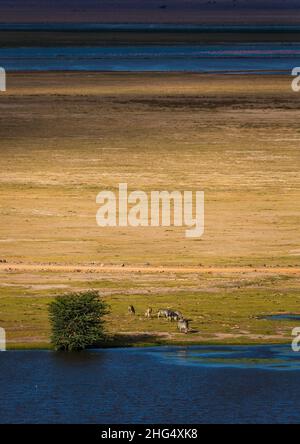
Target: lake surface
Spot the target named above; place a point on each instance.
(283, 317)
(281, 56)
(154, 27)
(236, 58)
(238, 384)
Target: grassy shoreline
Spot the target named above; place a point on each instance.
(224, 308)
(47, 347)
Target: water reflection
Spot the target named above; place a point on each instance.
(255, 357)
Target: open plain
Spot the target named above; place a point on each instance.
(66, 136)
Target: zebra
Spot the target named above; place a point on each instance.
(131, 310)
(179, 315)
(163, 313)
(173, 316)
(183, 326)
(148, 313)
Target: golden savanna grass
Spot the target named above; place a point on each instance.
(67, 136)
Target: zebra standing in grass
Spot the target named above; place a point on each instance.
(171, 315)
(131, 310)
(163, 313)
(183, 326)
(148, 313)
(174, 315)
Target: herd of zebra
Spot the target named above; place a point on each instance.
(182, 323)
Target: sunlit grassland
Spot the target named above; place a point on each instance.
(222, 309)
(66, 137)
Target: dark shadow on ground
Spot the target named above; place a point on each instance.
(136, 339)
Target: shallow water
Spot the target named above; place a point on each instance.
(279, 56)
(256, 384)
(237, 58)
(283, 317)
(143, 27)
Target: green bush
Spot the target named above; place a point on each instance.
(77, 320)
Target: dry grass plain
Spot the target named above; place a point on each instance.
(65, 136)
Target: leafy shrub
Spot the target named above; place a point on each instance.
(77, 320)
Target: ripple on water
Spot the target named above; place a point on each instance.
(247, 357)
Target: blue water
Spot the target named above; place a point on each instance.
(195, 58)
(283, 317)
(201, 384)
(224, 57)
(145, 27)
